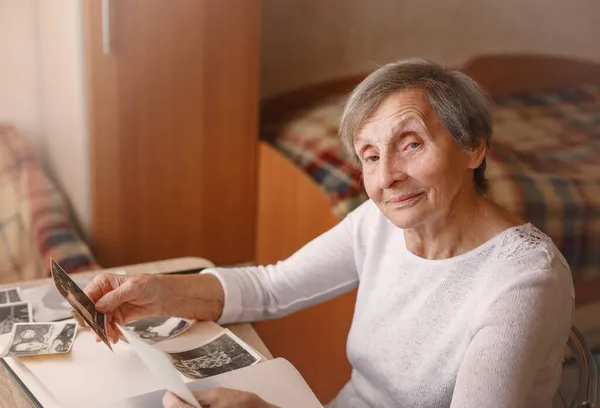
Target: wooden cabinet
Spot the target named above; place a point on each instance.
(173, 119)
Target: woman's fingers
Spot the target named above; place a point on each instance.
(94, 289)
(109, 329)
(227, 398)
(122, 293)
(209, 397)
(171, 401)
(116, 296)
(116, 333)
(122, 315)
(102, 284)
(112, 331)
(219, 398)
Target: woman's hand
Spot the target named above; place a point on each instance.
(126, 298)
(219, 398)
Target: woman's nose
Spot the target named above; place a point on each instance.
(390, 171)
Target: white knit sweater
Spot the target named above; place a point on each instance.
(484, 329)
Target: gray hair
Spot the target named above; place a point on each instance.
(460, 104)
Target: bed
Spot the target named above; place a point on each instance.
(35, 217)
(306, 185)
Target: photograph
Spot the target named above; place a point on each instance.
(80, 302)
(220, 355)
(31, 339)
(8, 296)
(48, 304)
(14, 313)
(158, 328)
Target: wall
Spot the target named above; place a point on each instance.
(62, 101)
(42, 89)
(305, 41)
(19, 87)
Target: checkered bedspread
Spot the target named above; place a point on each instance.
(544, 165)
(34, 218)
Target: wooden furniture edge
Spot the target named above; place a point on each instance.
(498, 74)
(501, 75)
(291, 206)
(292, 210)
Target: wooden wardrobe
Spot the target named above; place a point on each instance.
(173, 91)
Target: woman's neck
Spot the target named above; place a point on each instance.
(454, 232)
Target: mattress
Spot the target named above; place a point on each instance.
(544, 164)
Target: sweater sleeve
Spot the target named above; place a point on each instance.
(516, 352)
(321, 270)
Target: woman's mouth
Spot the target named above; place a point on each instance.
(405, 199)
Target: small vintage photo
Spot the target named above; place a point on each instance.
(48, 304)
(159, 328)
(81, 303)
(222, 354)
(14, 313)
(32, 339)
(8, 296)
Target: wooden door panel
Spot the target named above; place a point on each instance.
(174, 169)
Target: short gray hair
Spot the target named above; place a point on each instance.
(460, 104)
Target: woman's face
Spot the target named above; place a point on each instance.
(412, 168)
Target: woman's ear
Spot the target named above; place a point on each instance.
(477, 154)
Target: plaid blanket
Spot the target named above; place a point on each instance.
(34, 218)
(544, 165)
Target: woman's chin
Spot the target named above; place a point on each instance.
(405, 219)
(402, 217)
(403, 224)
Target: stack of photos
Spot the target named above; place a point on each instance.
(12, 295)
(13, 310)
(28, 338)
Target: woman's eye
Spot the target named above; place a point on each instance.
(413, 145)
(372, 159)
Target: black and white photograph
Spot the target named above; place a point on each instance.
(81, 303)
(8, 296)
(48, 304)
(31, 339)
(14, 313)
(222, 354)
(158, 328)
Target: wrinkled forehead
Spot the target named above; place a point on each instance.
(409, 109)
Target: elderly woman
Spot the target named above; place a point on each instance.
(460, 303)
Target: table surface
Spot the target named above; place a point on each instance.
(11, 394)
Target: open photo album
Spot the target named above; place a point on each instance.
(60, 364)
